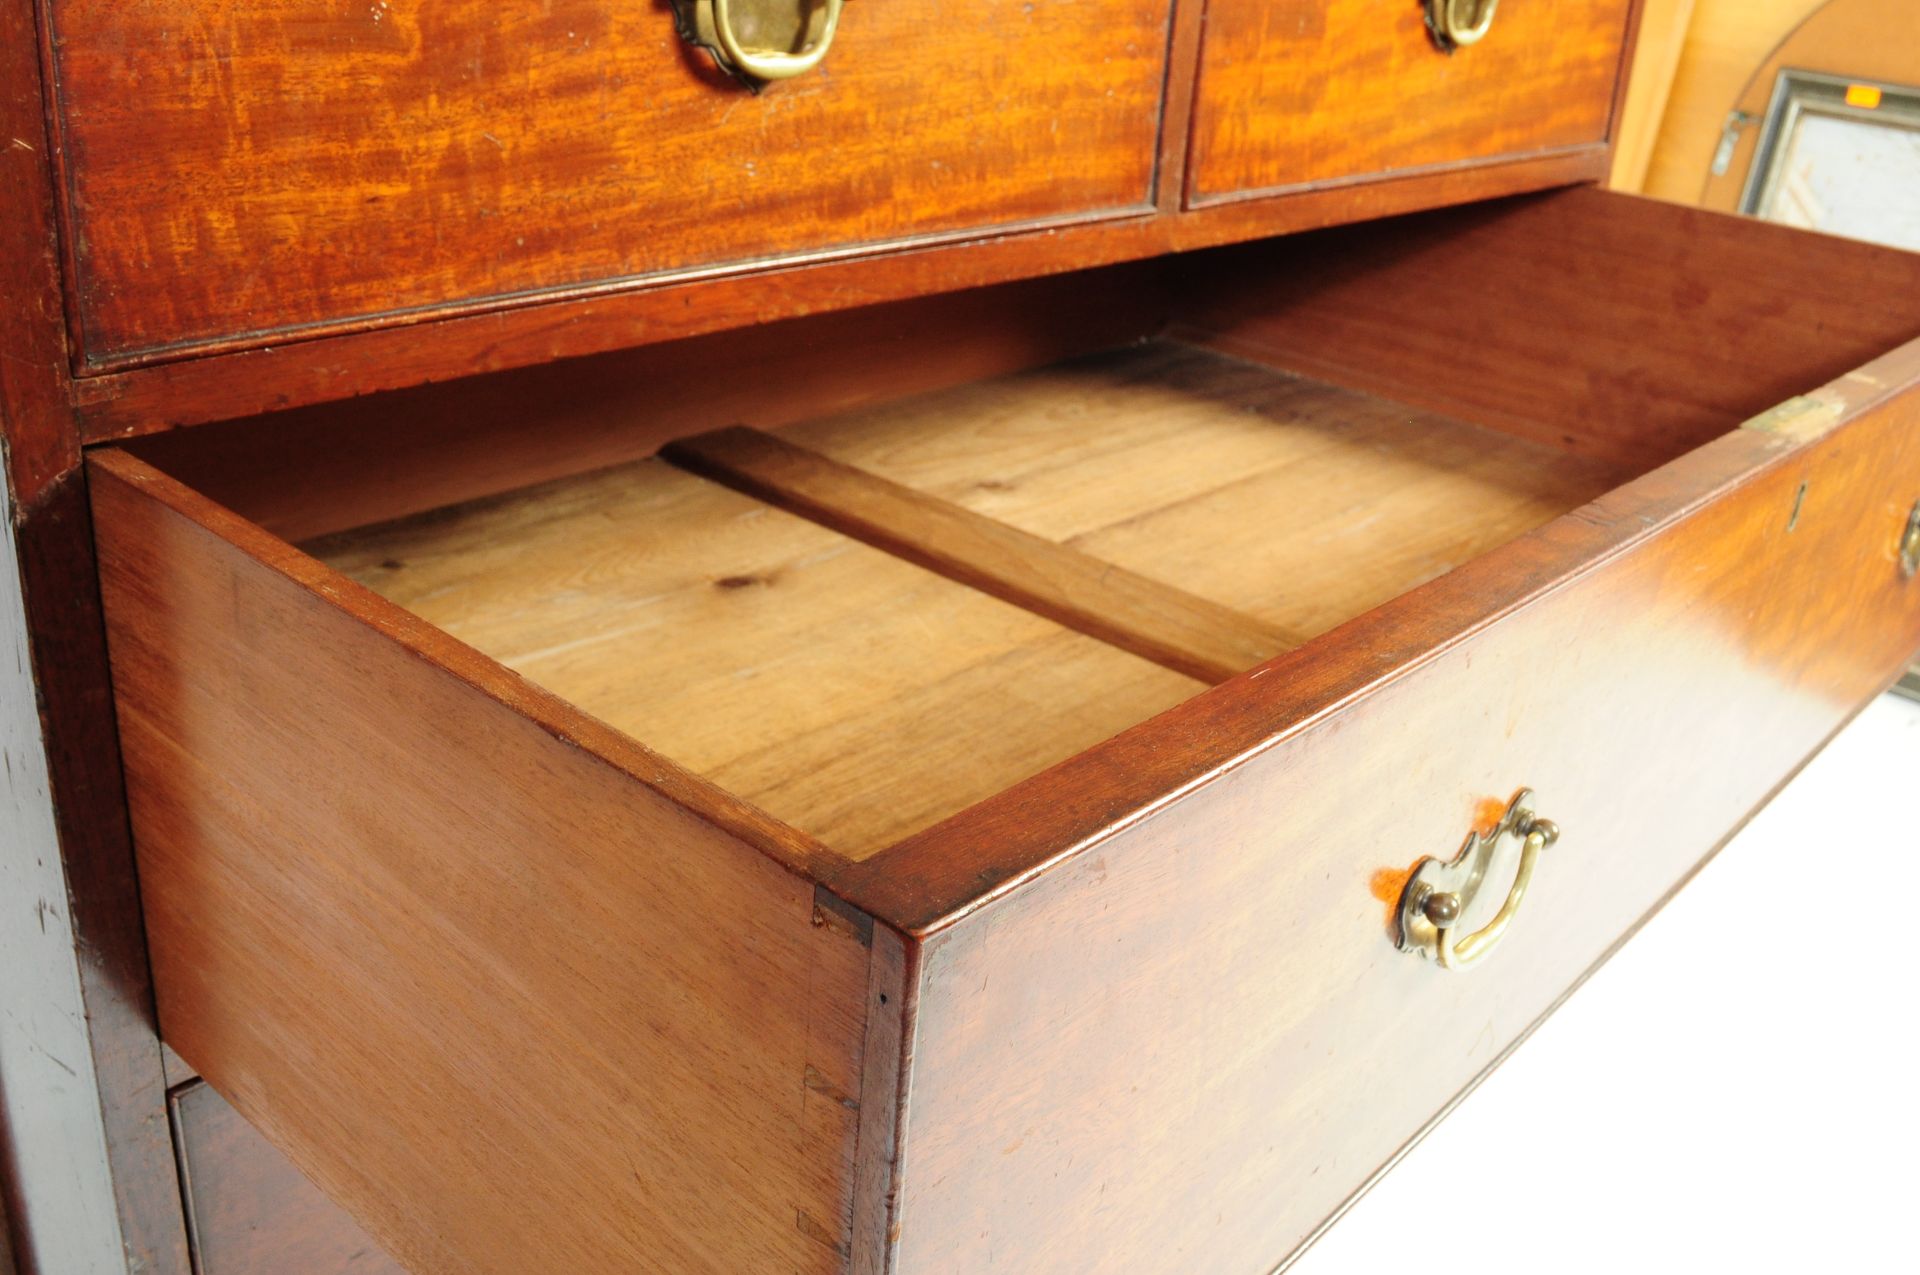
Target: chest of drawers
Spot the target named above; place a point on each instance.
(1025, 651)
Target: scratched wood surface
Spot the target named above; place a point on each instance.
(107, 1150)
(1317, 91)
(292, 165)
(849, 693)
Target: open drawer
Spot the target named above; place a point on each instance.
(968, 830)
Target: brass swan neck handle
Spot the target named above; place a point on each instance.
(1439, 893)
(1456, 24)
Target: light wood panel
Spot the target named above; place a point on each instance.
(853, 695)
(1727, 41)
(1657, 51)
(517, 993)
(1163, 624)
(1296, 502)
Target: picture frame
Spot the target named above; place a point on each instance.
(1839, 155)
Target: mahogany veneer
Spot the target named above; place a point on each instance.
(1293, 93)
(821, 849)
(289, 167)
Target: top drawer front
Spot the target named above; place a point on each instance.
(1324, 90)
(238, 169)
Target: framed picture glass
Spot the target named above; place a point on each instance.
(1842, 156)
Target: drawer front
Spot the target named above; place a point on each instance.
(1214, 992)
(242, 170)
(251, 1211)
(1315, 91)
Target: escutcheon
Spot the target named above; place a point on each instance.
(1441, 891)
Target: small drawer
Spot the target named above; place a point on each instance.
(1310, 92)
(241, 172)
(959, 832)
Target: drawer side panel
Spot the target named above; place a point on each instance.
(511, 1006)
(1184, 1045)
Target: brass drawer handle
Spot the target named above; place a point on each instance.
(1454, 24)
(716, 25)
(1910, 544)
(1440, 893)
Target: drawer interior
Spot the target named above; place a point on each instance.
(850, 693)
(866, 584)
(766, 622)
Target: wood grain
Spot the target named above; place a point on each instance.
(35, 410)
(1147, 953)
(1294, 502)
(323, 370)
(253, 1213)
(848, 693)
(1656, 59)
(1726, 41)
(1210, 988)
(1315, 91)
(1176, 116)
(515, 992)
(1187, 634)
(308, 472)
(1621, 328)
(300, 167)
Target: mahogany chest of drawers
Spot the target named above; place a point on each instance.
(901, 640)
